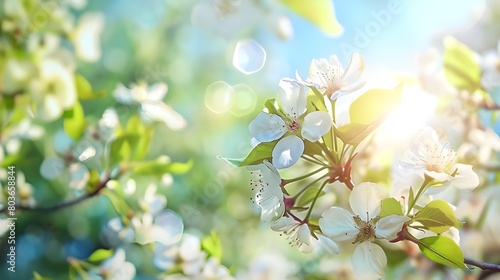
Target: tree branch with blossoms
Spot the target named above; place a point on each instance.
(94, 192)
(311, 120)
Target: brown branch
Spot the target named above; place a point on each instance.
(483, 265)
(99, 186)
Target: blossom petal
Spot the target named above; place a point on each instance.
(267, 127)
(354, 70)
(365, 200)
(465, 178)
(338, 224)
(287, 151)
(368, 261)
(268, 194)
(315, 125)
(327, 244)
(190, 248)
(293, 97)
(304, 234)
(159, 111)
(284, 224)
(388, 226)
(168, 228)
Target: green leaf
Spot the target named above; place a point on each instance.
(233, 161)
(354, 133)
(437, 216)
(140, 147)
(212, 245)
(37, 276)
(319, 12)
(390, 206)
(159, 168)
(83, 88)
(460, 66)
(261, 152)
(100, 255)
(74, 121)
(375, 104)
(367, 112)
(308, 196)
(311, 148)
(442, 250)
(269, 104)
(121, 148)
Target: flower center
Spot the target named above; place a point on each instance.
(366, 230)
(293, 126)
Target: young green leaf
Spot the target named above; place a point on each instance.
(259, 153)
(307, 196)
(100, 255)
(212, 245)
(159, 168)
(319, 12)
(442, 250)
(83, 88)
(437, 216)
(390, 206)
(461, 68)
(74, 121)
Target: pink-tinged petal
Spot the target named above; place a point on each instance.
(365, 200)
(287, 151)
(368, 261)
(335, 63)
(466, 178)
(354, 70)
(292, 98)
(315, 125)
(338, 224)
(388, 226)
(267, 127)
(327, 244)
(284, 224)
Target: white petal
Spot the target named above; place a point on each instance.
(125, 272)
(287, 151)
(190, 248)
(315, 125)
(338, 224)
(157, 91)
(117, 260)
(267, 188)
(368, 261)
(365, 200)
(327, 244)
(267, 127)
(87, 44)
(284, 224)
(465, 178)
(160, 111)
(354, 70)
(304, 234)
(388, 226)
(292, 98)
(49, 109)
(168, 228)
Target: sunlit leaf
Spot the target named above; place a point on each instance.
(74, 121)
(159, 168)
(390, 206)
(443, 250)
(100, 255)
(437, 216)
(461, 68)
(269, 104)
(259, 153)
(311, 148)
(37, 276)
(83, 88)
(212, 245)
(319, 12)
(375, 104)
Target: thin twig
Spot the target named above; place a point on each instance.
(101, 185)
(483, 265)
